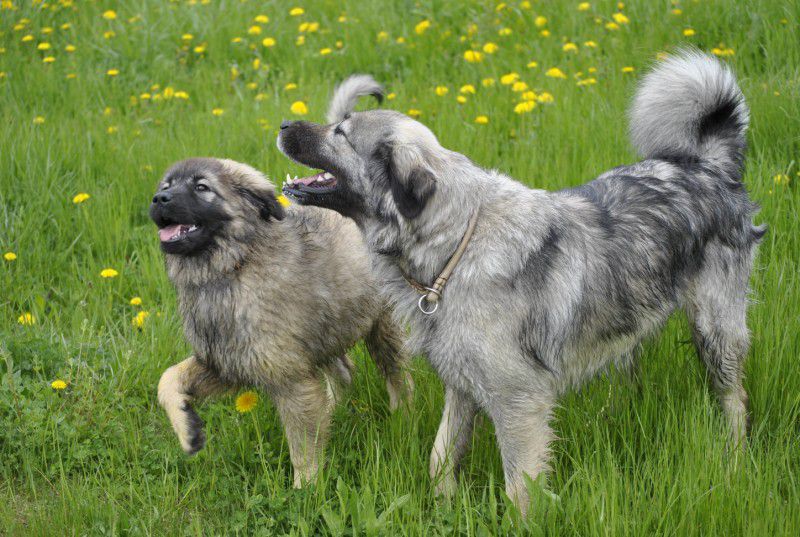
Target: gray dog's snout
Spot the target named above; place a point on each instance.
(162, 197)
(286, 123)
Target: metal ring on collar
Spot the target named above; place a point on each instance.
(423, 310)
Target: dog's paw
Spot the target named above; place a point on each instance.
(192, 437)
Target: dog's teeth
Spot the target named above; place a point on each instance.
(192, 228)
(327, 175)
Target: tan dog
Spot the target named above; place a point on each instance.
(270, 297)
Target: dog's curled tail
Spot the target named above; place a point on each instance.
(346, 95)
(690, 107)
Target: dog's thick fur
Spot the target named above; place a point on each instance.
(554, 286)
(270, 297)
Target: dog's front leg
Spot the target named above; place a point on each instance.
(522, 427)
(452, 440)
(180, 384)
(305, 408)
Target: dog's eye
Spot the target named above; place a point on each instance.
(200, 187)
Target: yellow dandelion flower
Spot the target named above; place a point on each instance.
(299, 108)
(688, 32)
(10, 256)
(555, 72)
(545, 97)
(590, 44)
(460, 99)
(70, 48)
(473, 56)
(722, 51)
(500, 7)
(627, 69)
(529, 96)
(677, 11)
(584, 6)
(525, 4)
(482, 120)
(109, 34)
(296, 11)
(509, 79)
(187, 37)
(781, 179)
(467, 88)
(413, 112)
(612, 26)
(112, 72)
(383, 36)
(325, 51)
(392, 96)
(254, 30)
(570, 47)
(422, 26)
(524, 107)
(138, 320)
(587, 82)
(38, 120)
(80, 198)
(217, 111)
(620, 18)
(519, 86)
(256, 64)
(441, 90)
(545, 33)
(49, 59)
(43, 46)
(283, 200)
(400, 40)
(112, 129)
(26, 319)
(27, 38)
(290, 86)
(301, 40)
(263, 19)
(540, 21)
(58, 384)
(110, 15)
(487, 82)
(109, 273)
(268, 42)
(136, 301)
(246, 401)
(490, 48)
(503, 32)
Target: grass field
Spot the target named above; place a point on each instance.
(99, 97)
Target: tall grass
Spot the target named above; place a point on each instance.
(99, 457)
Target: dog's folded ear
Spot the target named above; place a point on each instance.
(411, 179)
(265, 202)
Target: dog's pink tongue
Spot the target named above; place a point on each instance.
(167, 233)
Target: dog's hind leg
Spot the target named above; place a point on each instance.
(179, 385)
(385, 345)
(452, 439)
(305, 408)
(717, 311)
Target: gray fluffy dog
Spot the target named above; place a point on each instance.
(270, 297)
(553, 286)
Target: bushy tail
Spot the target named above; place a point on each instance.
(690, 107)
(346, 95)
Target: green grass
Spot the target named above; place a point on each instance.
(100, 458)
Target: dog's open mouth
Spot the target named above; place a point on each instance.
(176, 232)
(322, 182)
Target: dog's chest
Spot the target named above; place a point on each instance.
(224, 329)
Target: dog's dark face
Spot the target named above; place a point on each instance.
(201, 201)
(373, 164)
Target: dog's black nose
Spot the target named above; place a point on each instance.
(286, 123)
(162, 197)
